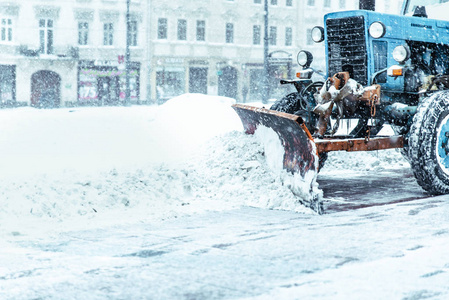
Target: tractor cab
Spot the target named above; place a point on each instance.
(432, 9)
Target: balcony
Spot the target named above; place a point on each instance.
(60, 52)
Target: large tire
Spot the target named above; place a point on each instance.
(428, 150)
(288, 104)
(291, 104)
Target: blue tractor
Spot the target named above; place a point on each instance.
(381, 69)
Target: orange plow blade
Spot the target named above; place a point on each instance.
(300, 155)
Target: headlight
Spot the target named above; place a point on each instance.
(377, 30)
(401, 53)
(318, 34)
(304, 58)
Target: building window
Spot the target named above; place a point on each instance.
(46, 36)
(342, 4)
(108, 34)
(7, 83)
(288, 2)
(229, 33)
(182, 30)
(133, 33)
(200, 30)
(273, 35)
(6, 30)
(257, 1)
(162, 28)
(327, 3)
(274, 2)
(169, 84)
(83, 33)
(288, 36)
(256, 35)
(309, 40)
(311, 2)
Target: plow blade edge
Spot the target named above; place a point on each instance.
(299, 149)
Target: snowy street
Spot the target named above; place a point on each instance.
(176, 202)
(397, 251)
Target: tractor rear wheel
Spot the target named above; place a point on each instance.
(428, 150)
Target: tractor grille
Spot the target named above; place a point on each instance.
(347, 47)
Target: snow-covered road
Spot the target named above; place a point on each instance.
(397, 251)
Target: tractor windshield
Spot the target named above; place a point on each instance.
(410, 5)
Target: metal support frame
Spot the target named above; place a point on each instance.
(359, 144)
(265, 56)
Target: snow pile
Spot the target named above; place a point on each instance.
(183, 124)
(235, 168)
(125, 164)
(35, 142)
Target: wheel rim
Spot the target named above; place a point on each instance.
(442, 147)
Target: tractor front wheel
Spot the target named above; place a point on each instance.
(428, 149)
(288, 104)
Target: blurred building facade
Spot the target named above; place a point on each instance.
(72, 52)
(62, 53)
(216, 46)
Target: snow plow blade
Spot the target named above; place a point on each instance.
(300, 155)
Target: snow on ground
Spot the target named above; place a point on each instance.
(156, 202)
(102, 165)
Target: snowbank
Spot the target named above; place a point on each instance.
(183, 124)
(94, 166)
(81, 167)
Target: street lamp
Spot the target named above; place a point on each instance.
(266, 78)
(127, 55)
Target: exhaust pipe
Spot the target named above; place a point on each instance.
(367, 4)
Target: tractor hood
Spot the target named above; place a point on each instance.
(400, 27)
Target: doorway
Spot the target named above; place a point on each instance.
(227, 82)
(198, 80)
(45, 89)
(108, 90)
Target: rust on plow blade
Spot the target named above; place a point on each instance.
(299, 151)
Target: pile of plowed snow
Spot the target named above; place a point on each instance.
(125, 164)
(94, 166)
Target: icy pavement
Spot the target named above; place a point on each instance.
(396, 251)
(348, 190)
